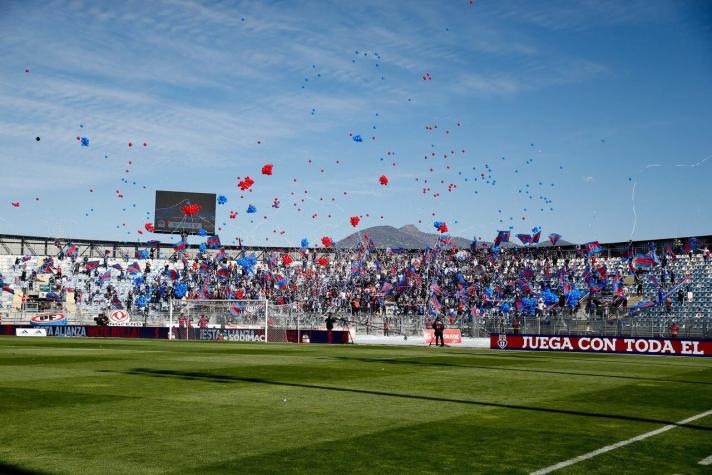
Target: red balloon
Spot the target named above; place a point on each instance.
(246, 183)
(149, 227)
(383, 180)
(326, 241)
(354, 221)
(267, 169)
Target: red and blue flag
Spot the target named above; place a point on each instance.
(593, 247)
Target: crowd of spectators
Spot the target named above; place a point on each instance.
(453, 283)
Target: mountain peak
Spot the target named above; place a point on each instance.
(410, 229)
(406, 237)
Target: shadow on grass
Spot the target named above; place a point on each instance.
(399, 361)
(227, 379)
(6, 467)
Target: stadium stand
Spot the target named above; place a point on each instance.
(479, 290)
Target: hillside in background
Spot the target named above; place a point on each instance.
(406, 237)
(410, 237)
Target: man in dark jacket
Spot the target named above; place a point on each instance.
(329, 327)
(439, 328)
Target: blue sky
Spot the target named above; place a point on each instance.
(569, 108)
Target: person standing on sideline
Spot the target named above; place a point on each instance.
(516, 325)
(329, 327)
(385, 326)
(181, 327)
(438, 328)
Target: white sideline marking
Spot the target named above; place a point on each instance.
(623, 443)
(706, 461)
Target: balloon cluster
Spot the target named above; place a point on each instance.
(246, 183)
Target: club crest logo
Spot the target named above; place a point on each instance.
(502, 342)
(119, 316)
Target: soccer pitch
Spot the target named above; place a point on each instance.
(139, 406)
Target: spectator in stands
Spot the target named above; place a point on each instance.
(356, 306)
(668, 305)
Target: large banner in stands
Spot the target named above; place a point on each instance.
(451, 336)
(94, 332)
(48, 319)
(586, 344)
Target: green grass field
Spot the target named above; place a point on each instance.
(122, 406)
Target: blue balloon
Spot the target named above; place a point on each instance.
(179, 290)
